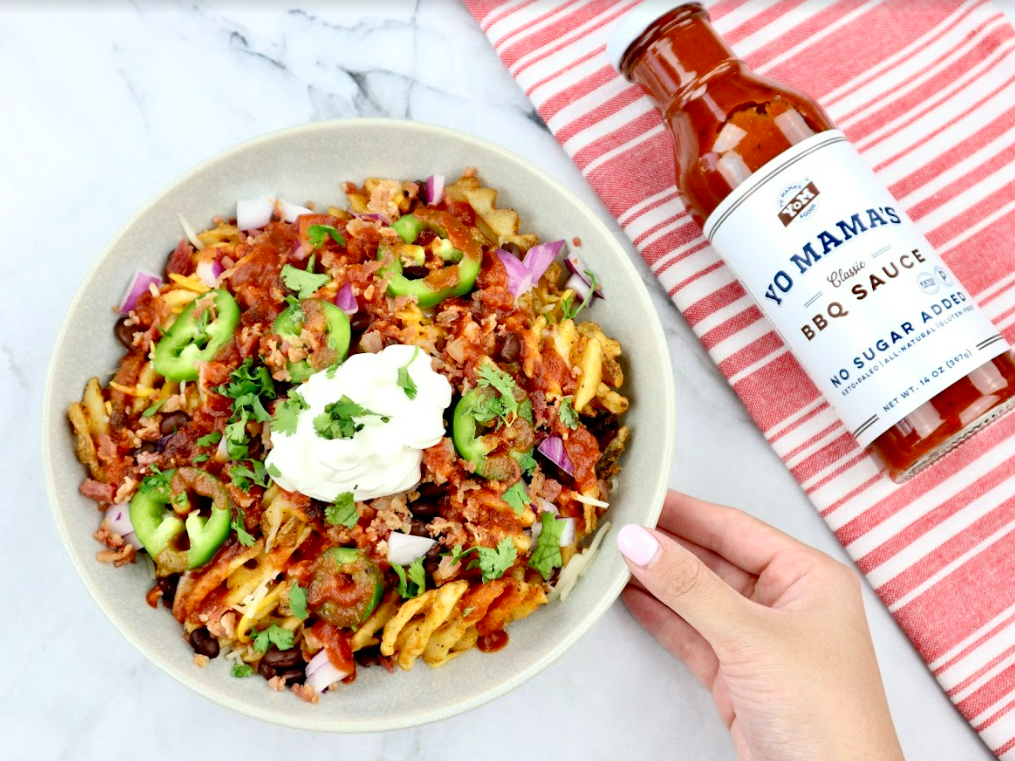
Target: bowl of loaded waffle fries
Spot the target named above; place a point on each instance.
(348, 407)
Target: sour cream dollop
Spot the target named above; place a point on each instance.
(382, 458)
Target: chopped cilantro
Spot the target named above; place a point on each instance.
(493, 563)
(298, 602)
(405, 380)
(467, 611)
(336, 422)
(202, 458)
(157, 481)
(242, 535)
(273, 471)
(517, 497)
(567, 414)
(210, 440)
(243, 477)
(247, 379)
(525, 411)
(252, 404)
(526, 461)
(236, 439)
(411, 583)
(343, 511)
(547, 555)
(273, 635)
(304, 282)
(154, 408)
(491, 377)
(241, 670)
(570, 311)
(287, 413)
(317, 234)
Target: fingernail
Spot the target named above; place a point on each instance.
(637, 545)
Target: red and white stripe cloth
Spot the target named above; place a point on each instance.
(926, 90)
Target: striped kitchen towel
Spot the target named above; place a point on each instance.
(926, 90)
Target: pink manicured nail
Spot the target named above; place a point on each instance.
(637, 544)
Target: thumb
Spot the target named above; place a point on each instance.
(683, 583)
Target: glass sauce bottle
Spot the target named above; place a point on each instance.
(805, 225)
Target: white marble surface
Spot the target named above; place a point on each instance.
(99, 108)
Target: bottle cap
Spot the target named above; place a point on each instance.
(634, 22)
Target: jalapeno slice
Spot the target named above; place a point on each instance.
(475, 448)
(196, 336)
(289, 325)
(345, 587)
(155, 513)
(458, 245)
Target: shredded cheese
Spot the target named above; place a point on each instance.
(190, 282)
(189, 232)
(144, 393)
(590, 501)
(577, 568)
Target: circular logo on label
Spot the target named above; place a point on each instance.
(928, 283)
(943, 276)
(798, 200)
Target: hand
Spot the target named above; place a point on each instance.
(774, 629)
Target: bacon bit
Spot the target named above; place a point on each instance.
(153, 596)
(371, 342)
(200, 660)
(277, 683)
(384, 198)
(306, 693)
(101, 493)
(576, 241)
(122, 556)
(126, 490)
(358, 227)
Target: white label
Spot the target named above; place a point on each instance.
(868, 308)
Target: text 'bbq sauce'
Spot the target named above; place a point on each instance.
(871, 312)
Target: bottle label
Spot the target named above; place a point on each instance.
(868, 308)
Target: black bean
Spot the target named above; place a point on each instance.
(124, 333)
(204, 643)
(418, 528)
(414, 273)
(290, 674)
(360, 321)
(431, 560)
(368, 656)
(513, 248)
(148, 447)
(510, 349)
(430, 489)
(282, 659)
(173, 422)
(168, 586)
(424, 509)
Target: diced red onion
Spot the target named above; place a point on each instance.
(254, 213)
(539, 258)
(117, 518)
(345, 299)
(578, 269)
(138, 285)
(404, 548)
(322, 673)
(290, 211)
(434, 189)
(519, 277)
(552, 449)
(209, 270)
(579, 286)
(373, 216)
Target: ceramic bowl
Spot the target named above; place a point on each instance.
(309, 163)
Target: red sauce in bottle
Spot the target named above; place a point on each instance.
(700, 87)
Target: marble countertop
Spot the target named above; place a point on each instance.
(102, 106)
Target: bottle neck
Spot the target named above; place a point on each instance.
(676, 55)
